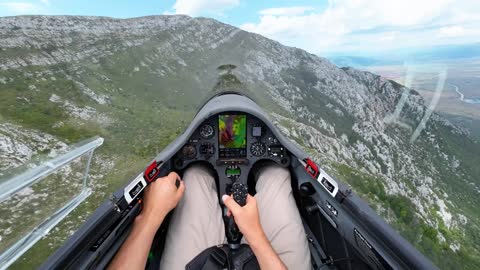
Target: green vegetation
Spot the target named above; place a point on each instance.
(401, 214)
(141, 127)
(63, 189)
(148, 111)
(323, 106)
(227, 68)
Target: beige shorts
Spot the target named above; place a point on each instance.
(197, 221)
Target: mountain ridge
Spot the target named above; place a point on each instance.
(66, 77)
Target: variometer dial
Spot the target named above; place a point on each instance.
(206, 131)
(207, 149)
(258, 149)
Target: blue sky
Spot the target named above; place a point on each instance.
(359, 27)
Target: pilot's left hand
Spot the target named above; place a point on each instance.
(161, 197)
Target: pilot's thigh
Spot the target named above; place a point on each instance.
(280, 217)
(196, 223)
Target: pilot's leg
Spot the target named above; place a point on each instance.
(280, 217)
(196, 223)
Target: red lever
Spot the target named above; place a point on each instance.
(152, 171)
(311, 168)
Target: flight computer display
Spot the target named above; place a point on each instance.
(232, 135)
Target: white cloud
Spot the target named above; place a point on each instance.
(197, 7)
(389, 36)
(287, 11)
(13, 8)
(367, 25)
(19, 7)
(451, 31)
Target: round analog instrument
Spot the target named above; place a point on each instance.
(206, 131)
(189, 151)
(258, 149)
(207, 149)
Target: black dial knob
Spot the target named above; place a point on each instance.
(258, 149)
(272, 140)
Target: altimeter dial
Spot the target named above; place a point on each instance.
(206, 131)
(258, 149)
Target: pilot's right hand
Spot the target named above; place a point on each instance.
(246, 218)
(248, 221)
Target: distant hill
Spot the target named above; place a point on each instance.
(360, 62)
(398, 57)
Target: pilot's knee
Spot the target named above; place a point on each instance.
(198, 173)
(272, 174)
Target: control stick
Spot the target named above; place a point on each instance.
(234, 236)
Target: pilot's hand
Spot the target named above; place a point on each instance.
(246, 217)
(161, 197)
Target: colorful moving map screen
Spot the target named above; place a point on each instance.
(232, 131)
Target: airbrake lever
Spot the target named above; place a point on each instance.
(234, 236)
(155, 171)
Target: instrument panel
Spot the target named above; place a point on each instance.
(232, 142)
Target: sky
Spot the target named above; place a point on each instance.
(324, 27)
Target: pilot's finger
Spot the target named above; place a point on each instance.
(181, 189)
(250, 199)
(231, 204)
(172, 177)
(229, 213)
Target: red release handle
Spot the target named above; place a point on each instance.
(311, 168)
(152, 171)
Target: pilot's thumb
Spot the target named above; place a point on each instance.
(231, 204)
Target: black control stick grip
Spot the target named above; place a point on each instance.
(240, 193)
(234, 236)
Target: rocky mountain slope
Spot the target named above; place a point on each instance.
(137, 82)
